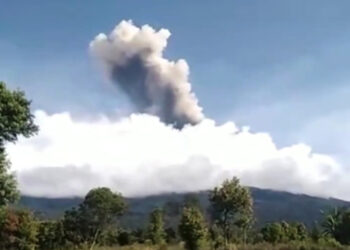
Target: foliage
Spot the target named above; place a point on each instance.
(284, 232)
(192, 228)
(316, 233)
(92, 218)
(273, 233)
(94, 224)
(216, 237)
(271, 206)
(232, 206)
(260, 246)
(50, 235)
(15, 116)
(126, 238)
(331, 221)
(140, 235)
(170, 235)
(8, 185)
(343, 230)
(18, 230)
(101, 207)
(15, 120)
(156, 231)
(337, 225)
(73, 226)
(108, 237)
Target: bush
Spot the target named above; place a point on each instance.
(18, 230)
(50, 235)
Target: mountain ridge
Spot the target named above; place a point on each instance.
(269, 206)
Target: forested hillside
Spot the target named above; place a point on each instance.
(269, 206)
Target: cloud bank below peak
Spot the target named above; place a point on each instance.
(140, 155)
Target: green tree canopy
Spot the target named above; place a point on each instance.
(232, 206)
(18, 230)
(15, 116)
(343, 231)
(8, 184)
(103, 205)
(15, 120)
(50, 235)
(273, 232)
(192, 228)
(336, 224)
(278, 232)
(95, 214)
(156, 231)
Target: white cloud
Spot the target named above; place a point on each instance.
(140, 155)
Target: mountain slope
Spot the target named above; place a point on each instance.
(268, 206)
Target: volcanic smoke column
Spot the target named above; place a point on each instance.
(133, 60)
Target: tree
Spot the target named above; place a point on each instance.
(109, 237)
(216, 237)
(156, 231)
(170, 235)
(50, 235)
(337, 225)
(273, 233)
(316, 232)
(331, 221)
(284, 232)
(231, 205)
(95, 214)
(297, 231)
(73, 227)
(18, 230)
(244, 224)
(192, 228)
(343, 230)
(140, 235)
(125, 238)
(8, 184)
(15, 116)
(15, 120)
(103, 206)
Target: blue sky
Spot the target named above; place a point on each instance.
(276, 66)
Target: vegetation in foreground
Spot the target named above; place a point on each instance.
(259, 246)
(228, 224)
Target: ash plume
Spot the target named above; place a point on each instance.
(133, 60)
